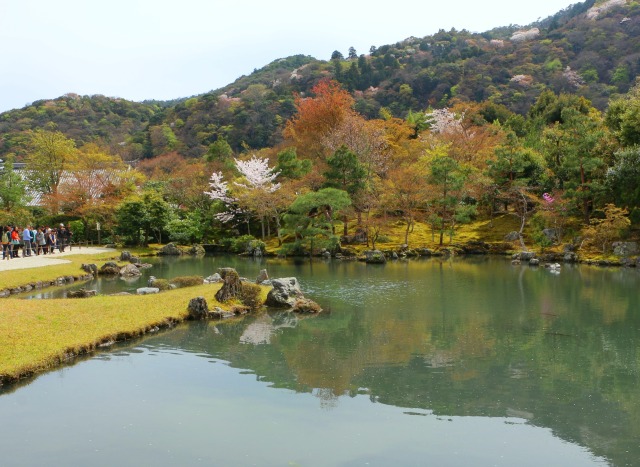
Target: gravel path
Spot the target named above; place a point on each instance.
(47, 260)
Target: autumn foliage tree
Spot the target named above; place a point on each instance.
(318, 116)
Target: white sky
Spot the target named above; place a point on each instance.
(160, 49)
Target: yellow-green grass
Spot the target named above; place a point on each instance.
(36, 335)
(490, 231)
(19, 277)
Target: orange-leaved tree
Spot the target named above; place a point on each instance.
(317, 117)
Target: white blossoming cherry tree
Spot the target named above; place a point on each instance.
(253, 192)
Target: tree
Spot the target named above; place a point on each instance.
(219, 150)
(603, 231)
(622, 178)
(256, 186)
(366, 139)
(310, 218)
(352, 53)
(318, 116)
(575, 149)
(346, 173)
(623, 117)
(447, 177)
(405, 192)
(337, 55)
(13, 191)
(289, 166)
(94, 184)
(51, 153)
(139, 216)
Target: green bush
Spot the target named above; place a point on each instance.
(246, 244)
(162, 284)
(187, 281)
(77, 228)
(250, 295)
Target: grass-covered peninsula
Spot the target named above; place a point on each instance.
(39, 335)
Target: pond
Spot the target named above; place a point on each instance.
(431, 362)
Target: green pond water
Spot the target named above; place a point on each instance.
(470, 362)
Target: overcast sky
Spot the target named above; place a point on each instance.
(160, 49)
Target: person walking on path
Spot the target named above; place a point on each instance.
(6, 243)
(15, 242)
(26, 239)
(41, 242)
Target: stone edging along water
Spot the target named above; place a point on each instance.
(60, 281)
(68, 356)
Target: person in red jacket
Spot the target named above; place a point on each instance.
(15, 242)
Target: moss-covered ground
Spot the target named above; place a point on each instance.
(36, 335)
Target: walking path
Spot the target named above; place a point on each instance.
(48, 260)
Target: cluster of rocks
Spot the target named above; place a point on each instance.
(171, 249)
(82, 293)
(627, 252)
(285, 293)
(198, 309)
(111, 268)
(63, 280)
(404, 252)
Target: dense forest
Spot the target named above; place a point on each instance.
(539, 122)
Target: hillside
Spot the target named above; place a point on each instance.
(587, 49)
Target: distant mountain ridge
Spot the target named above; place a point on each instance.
(591, 49)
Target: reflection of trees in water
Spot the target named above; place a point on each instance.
(328, 400)
(468, 340)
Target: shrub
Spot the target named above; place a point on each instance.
(162, 284)
(383, 239)
(77, 228)
(250, 295)
(187, 281)
(246, 244)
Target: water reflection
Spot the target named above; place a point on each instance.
(497, 364)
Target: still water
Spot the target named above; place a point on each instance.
(431, 362)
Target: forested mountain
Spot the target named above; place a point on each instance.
(583, 50)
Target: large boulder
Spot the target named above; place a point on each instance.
(125, 256)
(90, 268)
(196, 250)
(231, 285)
(198, 308)
(570, 257)
(82, 293)
(147, 290)
(284, 293)
(170, 250)
(475, 247)
(110, 269)
(526, 255)
(374, 257)
(625, 249)
(212, 279)
(263, 276)
(553, 235)
(305, 305)
(512, 236)
(130, 270)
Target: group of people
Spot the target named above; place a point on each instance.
(33, 241)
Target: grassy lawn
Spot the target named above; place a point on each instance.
(19, 277)
(36, 335)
